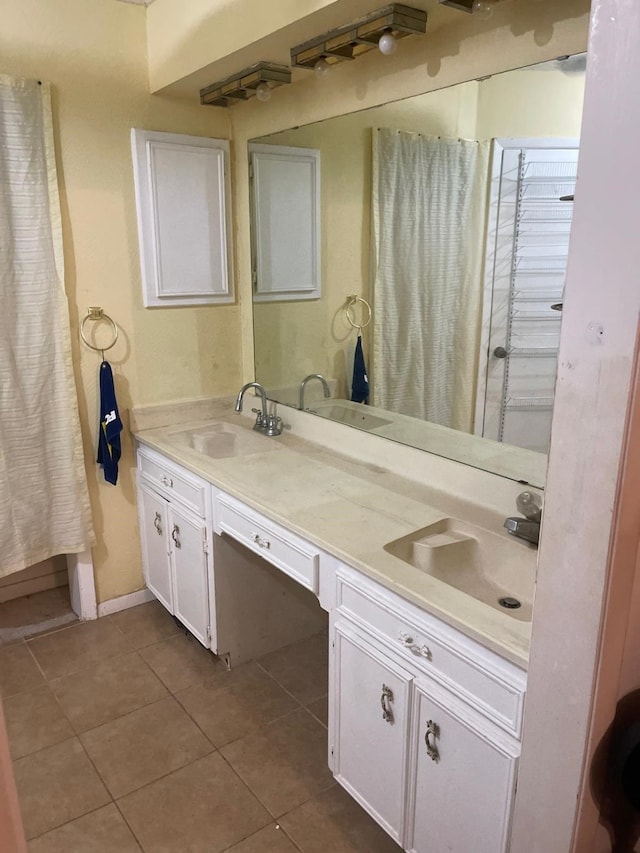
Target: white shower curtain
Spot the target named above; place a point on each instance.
(44, 502)
(429, 202)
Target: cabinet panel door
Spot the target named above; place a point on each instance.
(285, 222)
(370, 701)
(155, 550)
(462, 781)
(182, 197)
(190, 590)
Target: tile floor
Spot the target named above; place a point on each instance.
(127, 735)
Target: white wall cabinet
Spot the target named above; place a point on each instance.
(285, 222)
(183, 204)
(175, 540)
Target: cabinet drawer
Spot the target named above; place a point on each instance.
(483, 679)
(286, 551)
(175, 483)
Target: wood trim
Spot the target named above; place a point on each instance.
(12, 838)
(621, 629)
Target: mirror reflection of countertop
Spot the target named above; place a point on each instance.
(348, 508)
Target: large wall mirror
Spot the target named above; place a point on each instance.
(449, 214)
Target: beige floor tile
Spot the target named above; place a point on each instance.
(143, 746)
(102, 831)
(284, 763)
(233, 704)
(146, 624)
(34, 721)
(202, 808)
(18, 670)
(301, 668)
(57, 785)
(271, 839)
(181, 662)
(78, 647)
(108, 690)
(334, 821)
(320, 710)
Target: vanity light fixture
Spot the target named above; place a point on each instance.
(258, 80)
(380, 29)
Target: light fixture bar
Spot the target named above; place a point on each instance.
(462, 5)
(243, 85)
(360, 36)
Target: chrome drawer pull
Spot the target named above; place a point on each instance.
(433, 732)
(260, 542)
(174, 535)
(386, 698)
(420, 651)
(157, 523)
(166, 481)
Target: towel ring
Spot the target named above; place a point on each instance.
(351, 302)
(96, 313)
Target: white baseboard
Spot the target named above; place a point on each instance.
(123, 602)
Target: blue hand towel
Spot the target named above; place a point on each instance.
(360, 382)
(110, 426)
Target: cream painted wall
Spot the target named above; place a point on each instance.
(543, 101)
(93, 54)
(294, 339)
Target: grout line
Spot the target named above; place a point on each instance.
(299, 701)
(131, 829)
(67, 822)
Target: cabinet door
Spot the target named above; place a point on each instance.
(462, 780)
(370, 706)
(182, 197)
(285, 220)
(188, 543)
(155, 550)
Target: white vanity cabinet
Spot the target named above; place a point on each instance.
(175, 535)
(370, 726)
(424, 723)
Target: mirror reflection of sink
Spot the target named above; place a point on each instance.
(346, 412)
(482, 564)
(222, 440)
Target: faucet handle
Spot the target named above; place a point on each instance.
(530, 505)
(258, 414)
(274, 425)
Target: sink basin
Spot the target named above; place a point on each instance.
(345, 412)
(222, 440)
(482, 564)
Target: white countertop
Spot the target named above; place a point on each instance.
(351, 509)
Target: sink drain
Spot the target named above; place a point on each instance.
(509, 603)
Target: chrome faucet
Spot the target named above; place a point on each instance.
(266, 423)
(325, 385)
(527, 528)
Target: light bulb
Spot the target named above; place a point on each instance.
(321, 67)
(483, 9)
(387, 44)
(263, 92)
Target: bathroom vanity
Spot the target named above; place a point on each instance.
(249, 540)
